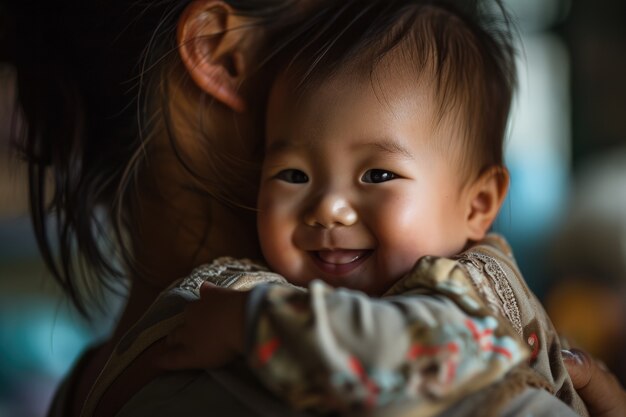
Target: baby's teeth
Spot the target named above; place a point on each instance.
(340, 257)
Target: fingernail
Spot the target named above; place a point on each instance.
(573, 356)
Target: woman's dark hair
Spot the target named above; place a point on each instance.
(81, 67)
(73, 125)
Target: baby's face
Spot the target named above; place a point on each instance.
(354, 189)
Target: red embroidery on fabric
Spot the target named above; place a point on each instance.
(372, 388)
(450, 363)
(267, 350)
(475, 333)
(486, 345)
(418, 350)
(452, 347)
(499, 349)
(533, 342)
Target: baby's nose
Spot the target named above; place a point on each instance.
(330, 211)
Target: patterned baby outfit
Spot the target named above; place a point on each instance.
(454, 334)
(447, 329)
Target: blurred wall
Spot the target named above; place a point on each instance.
(566, 213)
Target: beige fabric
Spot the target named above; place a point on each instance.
(497, 278)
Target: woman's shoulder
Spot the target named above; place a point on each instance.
(232, 391)
(166, 313)
(64, 398)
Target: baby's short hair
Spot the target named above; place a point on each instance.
(464, 48)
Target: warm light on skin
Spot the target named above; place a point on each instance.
(337, 225)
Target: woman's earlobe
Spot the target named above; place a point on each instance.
(211, 48)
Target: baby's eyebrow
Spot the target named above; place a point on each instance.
(279, 145)
(388, 146)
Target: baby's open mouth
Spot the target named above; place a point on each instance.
(341, 256)
(339, 261)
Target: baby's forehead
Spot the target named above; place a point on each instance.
(391, 86)
(455, 63)
(392, 70)
(390, 111)
(393, 113)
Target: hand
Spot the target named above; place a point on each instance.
(212, 333)
(599, 389)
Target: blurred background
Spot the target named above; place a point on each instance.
(40, 334)
(565, 217)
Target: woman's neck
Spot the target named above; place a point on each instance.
(140, 296)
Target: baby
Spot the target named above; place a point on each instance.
(382, 175)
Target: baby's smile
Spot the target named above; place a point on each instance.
(339, 261)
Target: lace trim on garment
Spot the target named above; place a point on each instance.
(508, 303)
(227, 272)
(222, 272)
(481, 284)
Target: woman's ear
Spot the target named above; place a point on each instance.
(486, 196)
(213, 49)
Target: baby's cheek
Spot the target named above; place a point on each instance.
(290, 265)
(403, 250)
(278, 249)
(400, 263)
(270, 237)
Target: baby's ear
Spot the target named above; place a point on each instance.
(486, 196)
(212, 46)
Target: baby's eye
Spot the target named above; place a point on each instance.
(378, 175)
(294, 176)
